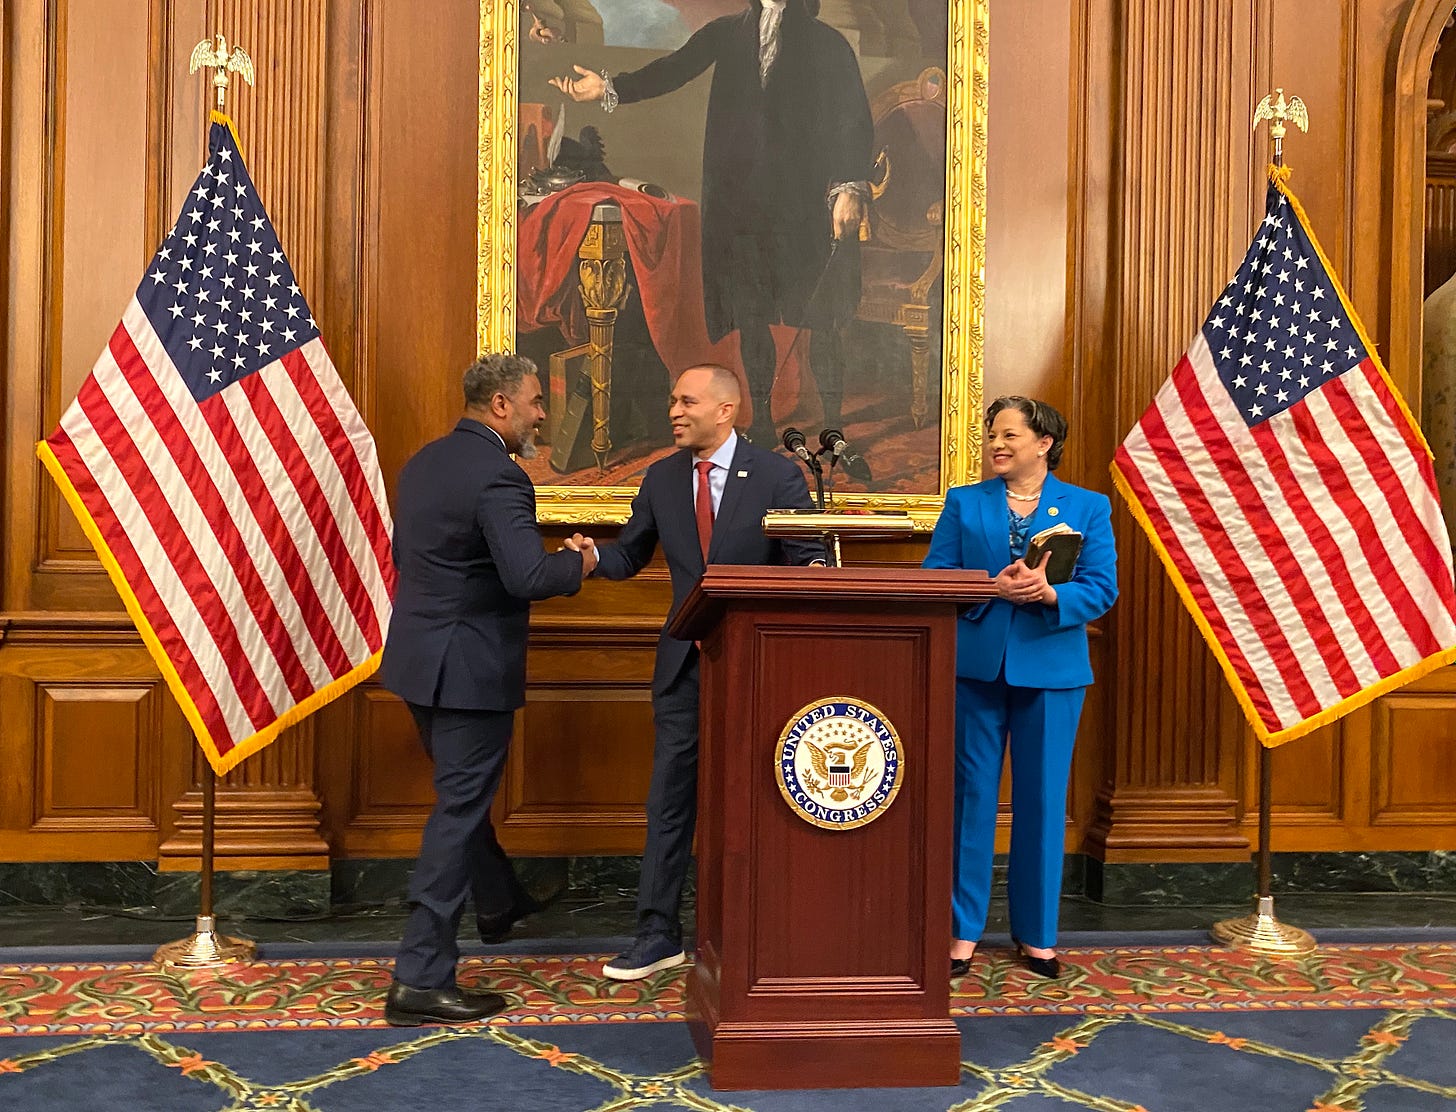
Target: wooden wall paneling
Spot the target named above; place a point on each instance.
(420, 211)
(1398, 108)
(1092, 88)
(85, 727)
(1440, 221)
(375, 777)
(24, 161)
(1183, 218)
(1121, 200)
(96, 743)
(582, 757)
(1413, 751)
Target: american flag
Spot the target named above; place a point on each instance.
(227, 482)
(1291, 495)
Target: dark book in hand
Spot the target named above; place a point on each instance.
(1059, 547)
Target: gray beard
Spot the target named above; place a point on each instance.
(528, 448)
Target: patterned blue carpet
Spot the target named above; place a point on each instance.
(1301, 1061)
(1173, 1029)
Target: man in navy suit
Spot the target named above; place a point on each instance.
(705, 504)
(471, 561)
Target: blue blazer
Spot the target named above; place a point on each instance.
(470, 560)
(758, 481)
(1040, 646)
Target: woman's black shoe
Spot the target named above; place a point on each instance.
(959, 967)
(1042, 967)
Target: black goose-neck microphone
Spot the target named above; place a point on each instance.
(833, 442)
(794, 442)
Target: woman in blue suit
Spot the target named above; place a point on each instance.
(1021, 671)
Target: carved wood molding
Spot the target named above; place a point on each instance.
(1188, 79)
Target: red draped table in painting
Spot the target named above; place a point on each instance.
(664, 242)
(824, 837)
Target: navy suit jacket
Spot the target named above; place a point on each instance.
(1041, 646)
(758, 481)
(470, 561)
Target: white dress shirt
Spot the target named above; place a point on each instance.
(769, 21)
(721, 460)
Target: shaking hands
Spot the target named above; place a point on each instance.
(588, 549)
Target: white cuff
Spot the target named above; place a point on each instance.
(609, 94)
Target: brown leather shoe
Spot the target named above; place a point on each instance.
(411, 1007)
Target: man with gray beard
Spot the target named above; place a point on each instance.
(470, 560)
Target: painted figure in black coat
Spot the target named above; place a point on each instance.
(704, 505)
(470, 560)
(786, 158)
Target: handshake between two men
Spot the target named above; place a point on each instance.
(588, 549)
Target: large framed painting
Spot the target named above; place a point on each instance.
(791, 189)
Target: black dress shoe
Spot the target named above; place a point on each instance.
(959, 967)
(411, 1007)
(495, 928)
(1042, 967)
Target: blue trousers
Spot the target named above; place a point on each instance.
(1041, 726)
(459, 854)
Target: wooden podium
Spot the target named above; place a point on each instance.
(823, 952)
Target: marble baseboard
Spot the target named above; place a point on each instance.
(1227, 882)
(248, 894)
(383, 883)
(1124, 884)
(1433, 871)
(111, 884)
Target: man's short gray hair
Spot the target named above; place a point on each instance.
(498, 372)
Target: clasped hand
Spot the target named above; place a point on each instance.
(588, 549)
(1021, 584)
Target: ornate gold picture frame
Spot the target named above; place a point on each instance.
(960, 289)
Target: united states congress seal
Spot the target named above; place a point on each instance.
(839, 763)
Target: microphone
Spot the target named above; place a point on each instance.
(833, 442)
(794, 442)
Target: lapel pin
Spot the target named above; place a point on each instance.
(1052, 512)
(743, 474)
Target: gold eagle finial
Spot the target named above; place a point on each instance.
(221, 62)
(1280, 112)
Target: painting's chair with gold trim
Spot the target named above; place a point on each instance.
(904, 256)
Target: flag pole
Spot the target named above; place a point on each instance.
(1261, 932)
(205, 948)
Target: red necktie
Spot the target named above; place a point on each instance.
(704, 507)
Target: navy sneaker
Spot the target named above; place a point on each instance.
(645, 957)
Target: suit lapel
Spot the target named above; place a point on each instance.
(739, 472)
(678, 516)
(994, 524)
(1049, 510)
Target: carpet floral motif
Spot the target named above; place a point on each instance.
(53, 1016)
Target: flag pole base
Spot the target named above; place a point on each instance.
(1261, 933)
(206, 949)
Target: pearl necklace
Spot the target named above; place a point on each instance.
(1032, 497)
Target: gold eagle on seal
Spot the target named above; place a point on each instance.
(819, 760)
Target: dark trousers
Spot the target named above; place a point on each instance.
(826, 363)
(672, 805)
(459, 853)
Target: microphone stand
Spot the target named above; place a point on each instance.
(817, 470)
(836, 558)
